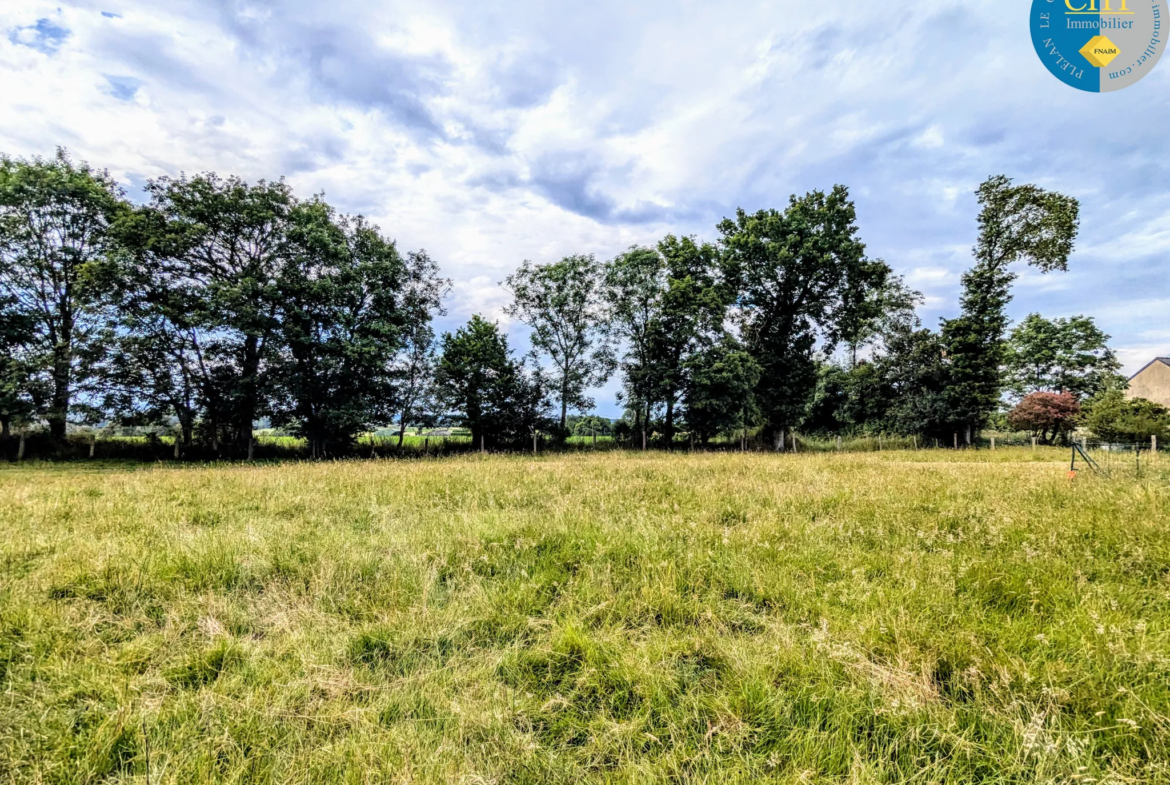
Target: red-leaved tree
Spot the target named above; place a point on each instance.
(1046, 415)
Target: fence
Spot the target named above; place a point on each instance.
(1118, 459)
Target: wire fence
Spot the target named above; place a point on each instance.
(1118, 459)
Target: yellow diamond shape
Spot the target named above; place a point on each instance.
(1100, 51)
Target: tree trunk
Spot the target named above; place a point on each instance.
(564, 405)
(59, 406)
(401, 431)
(5, 428)
(669, 427)
(246, 412)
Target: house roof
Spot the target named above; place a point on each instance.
(1164, 360)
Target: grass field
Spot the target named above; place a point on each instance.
(616, 617)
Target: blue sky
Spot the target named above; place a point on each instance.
(489, 133)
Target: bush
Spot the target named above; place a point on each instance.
(1113, 417)
(1046, 415)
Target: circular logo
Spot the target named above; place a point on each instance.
(1099, 45)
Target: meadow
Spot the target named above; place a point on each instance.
(895, 616)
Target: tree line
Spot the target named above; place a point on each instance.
(215, 303)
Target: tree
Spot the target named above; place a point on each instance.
(880, 308)
(1016, 223)
(634, 289)
(485, 389)
(560, 302)
(693, 307)
(1046, 415)
(800, 275)
(719, 392)
(1059, 355)
(214, 251)
(24, 388)
(918, 380)
(343, 319)
(413, 375)
(1113, 417)
(55, 219)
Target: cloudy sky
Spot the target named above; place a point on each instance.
(492, 132)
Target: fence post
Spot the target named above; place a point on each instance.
(1154, 447)
(251, 445)
(534, 442)
(93, 444)
(482, 444)
(427, 445)
(956, 440)
(794, 442)
(838, 444)
(20, 448)
(992, 442)
(1033, 444)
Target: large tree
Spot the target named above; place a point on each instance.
(635, 284)
(214, 251)
(693, 307)
(1017, 223)
(484, 389)
(801, 275)
(1060, 355)
(343, 316)
(561, 303)
(55, 240)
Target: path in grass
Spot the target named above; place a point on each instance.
(615, 617)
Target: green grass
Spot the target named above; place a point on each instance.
(586, 617)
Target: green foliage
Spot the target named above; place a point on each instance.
(920, 384)
(1017, 223)
(24, 386)
(720, 390)
(1113, 417)
(799, 274)
(344, 316)
(486, 390)
(213, 251)
(561, 303)
(55, 245)
(1060, 355)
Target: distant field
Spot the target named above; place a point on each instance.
(932, 617)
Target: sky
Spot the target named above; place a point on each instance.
(488, 133)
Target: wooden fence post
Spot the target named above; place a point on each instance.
(956, 440)
(92, 445)
(534, 442)
(992, 442)
(838, 444)
(20, 448)
(1033, 444)
(483, 444)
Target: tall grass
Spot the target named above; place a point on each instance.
(932, 616)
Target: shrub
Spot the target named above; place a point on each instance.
(1113, 417)
(1046, 415)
